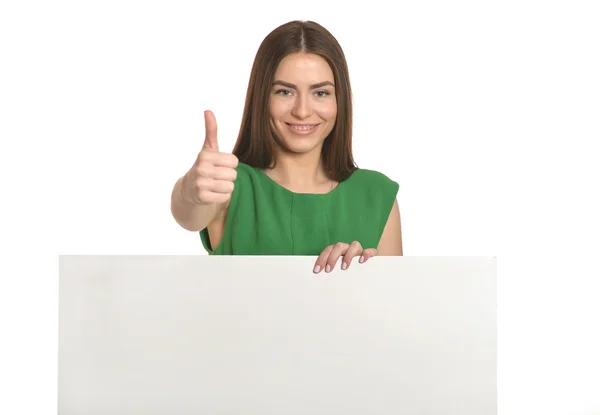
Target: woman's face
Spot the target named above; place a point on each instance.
(302, 102)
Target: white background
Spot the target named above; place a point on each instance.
(486, 113)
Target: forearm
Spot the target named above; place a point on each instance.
(190, 216)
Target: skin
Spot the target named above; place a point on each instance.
(304, 93)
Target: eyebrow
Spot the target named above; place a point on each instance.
(313, 86)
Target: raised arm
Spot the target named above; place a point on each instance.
(205, 190)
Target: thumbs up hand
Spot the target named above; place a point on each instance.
(210, 180)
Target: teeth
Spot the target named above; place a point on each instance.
(302, 127)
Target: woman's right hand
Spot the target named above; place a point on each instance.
(210, 180)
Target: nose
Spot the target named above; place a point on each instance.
(302, 108)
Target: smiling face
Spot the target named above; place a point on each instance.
(302, 102)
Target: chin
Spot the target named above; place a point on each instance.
(301, 145)
(298, 149)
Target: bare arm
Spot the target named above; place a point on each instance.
(191, 216)
(391, 239)
(199, 197)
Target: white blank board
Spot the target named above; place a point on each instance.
(264, 335)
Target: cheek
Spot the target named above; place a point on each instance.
(330, 111)
(277, 109)
(272, 109)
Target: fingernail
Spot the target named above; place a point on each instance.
(344, 265)
(328, 268)
(317, 269)
(362, 259)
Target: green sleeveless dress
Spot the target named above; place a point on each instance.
(265, 218)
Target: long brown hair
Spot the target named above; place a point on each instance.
(256, 143)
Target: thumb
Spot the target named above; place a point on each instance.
(210, 140)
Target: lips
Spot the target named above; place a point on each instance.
(302, 129)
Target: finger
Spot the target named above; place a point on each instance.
(220, 173)
(216, 158)
(209, 198)
(338, 250)
(215, 186)
(225, 160)
(210, 140)
(322, 259)
(366, 254)
(355, 249)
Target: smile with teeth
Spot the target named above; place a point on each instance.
(302, 128)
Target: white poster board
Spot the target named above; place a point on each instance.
(264, 335)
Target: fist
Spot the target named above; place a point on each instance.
(210, 180)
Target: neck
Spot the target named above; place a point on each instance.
(302, 172)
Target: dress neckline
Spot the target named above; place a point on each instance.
(285, 189)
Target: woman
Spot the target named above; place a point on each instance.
(291, 186)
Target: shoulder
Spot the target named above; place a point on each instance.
(373, 181)
(374, 190)
(246, 170)
(371, 195)
(368, 174)
(247, 174)
(250, 183)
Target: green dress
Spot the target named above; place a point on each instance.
(265, 218)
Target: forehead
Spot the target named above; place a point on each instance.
(304, 68)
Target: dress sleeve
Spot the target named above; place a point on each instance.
(204, 238)
(387, 192)
(378, 194)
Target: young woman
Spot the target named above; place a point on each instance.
(291, 186)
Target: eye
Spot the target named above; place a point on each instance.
(322, 94)
(284, 92)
